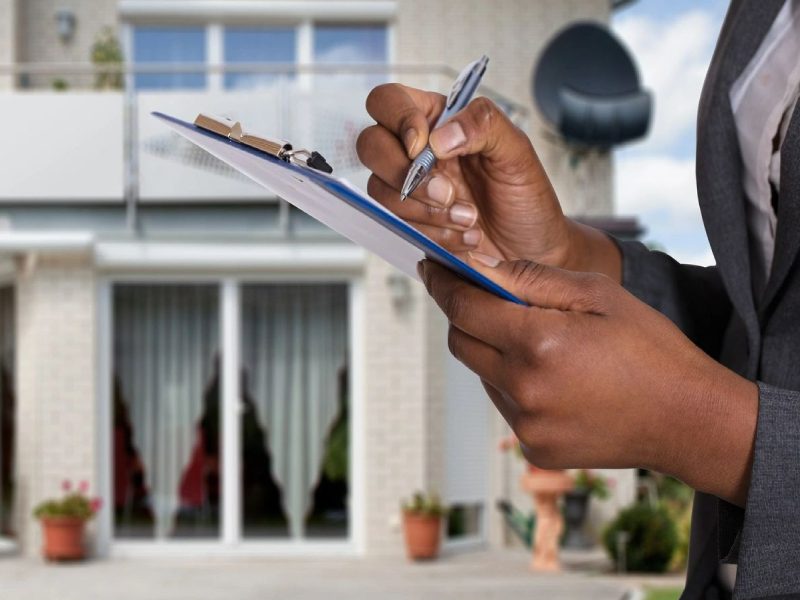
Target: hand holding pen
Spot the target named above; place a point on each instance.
(460, 95)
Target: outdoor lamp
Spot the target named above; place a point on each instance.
(65, 18)
(399, 289)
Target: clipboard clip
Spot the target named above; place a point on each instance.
(278, 148)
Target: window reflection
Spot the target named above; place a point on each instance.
(169, 45)
(257, 45)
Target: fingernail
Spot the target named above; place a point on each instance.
(448, 137)
(410, 139)
(440, 190)
(472, 237)
(484, 259)
(463, 214)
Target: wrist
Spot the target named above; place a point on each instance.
(710, 447)
(591, 250)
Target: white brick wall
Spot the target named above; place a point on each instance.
(56, 417)
(7, 37)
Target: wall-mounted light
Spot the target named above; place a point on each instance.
(66, 20)
(399, 289)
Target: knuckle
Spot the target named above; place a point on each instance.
(524, 272)
(594, 289)
(454, 342)
(483, 111)
(378, 94)
(453, 306)
(364, 142)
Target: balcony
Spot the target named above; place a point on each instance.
(89, 159)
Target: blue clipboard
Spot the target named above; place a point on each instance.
(389, 240)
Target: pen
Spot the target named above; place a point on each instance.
(460, 95)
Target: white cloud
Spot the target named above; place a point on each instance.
(655, 178)
(673, 57)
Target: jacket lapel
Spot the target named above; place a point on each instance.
(719, 171)
(787, 236)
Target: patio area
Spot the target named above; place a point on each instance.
(484, 575)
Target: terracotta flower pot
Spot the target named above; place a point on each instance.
(423, 535)
(63, 538)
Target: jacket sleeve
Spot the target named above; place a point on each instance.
(694, 298)
(769, 539)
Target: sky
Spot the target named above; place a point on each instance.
(672, 42)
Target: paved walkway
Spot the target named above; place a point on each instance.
(484, 576)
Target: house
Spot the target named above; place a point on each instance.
(229, 375)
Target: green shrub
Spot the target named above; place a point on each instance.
(652, 537)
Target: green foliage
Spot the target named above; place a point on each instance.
(59, 85)
(428, 505)
(677, 499)
(664, 594)
(107, 52)
(595, 485)
(335, 461)
(73, 505)
(652, 537)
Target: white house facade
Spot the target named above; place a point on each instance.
(230, 376)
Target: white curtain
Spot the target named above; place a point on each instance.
(294, 345)
(165, 356)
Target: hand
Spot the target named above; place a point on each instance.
(488, 190)
(589, 376)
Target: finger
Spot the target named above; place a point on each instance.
(460, 216)
(507, 408)
(406, 112)
(474, 311)
(479, 357)
(549, 287)
(482, 128)
(381, 152)
(449, 238)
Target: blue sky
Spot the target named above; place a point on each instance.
(672, 42)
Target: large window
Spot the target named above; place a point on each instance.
(257, 45)
(169, 46)
(292, 438)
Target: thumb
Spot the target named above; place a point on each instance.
(482, 128)
(547, 287)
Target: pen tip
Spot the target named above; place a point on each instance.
(403, 196)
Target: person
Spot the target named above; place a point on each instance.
(685, 370)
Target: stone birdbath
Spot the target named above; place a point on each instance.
(546, 487)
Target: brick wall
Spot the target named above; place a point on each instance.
(39, 41)
(56, 416)
(7, 37)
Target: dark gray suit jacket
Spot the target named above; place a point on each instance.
(715, 307)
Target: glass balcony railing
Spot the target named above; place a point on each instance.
(85, 135)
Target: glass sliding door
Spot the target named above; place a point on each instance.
(7, 408)
(295, 417)
(166, 411)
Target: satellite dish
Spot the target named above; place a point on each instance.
(587, 86)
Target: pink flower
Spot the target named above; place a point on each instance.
(66, 485)
(83, 486)
(95, 504)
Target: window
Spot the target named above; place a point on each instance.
(166, 429)
(257, 45)
(347, 44)
(169, 45)
(293, 436)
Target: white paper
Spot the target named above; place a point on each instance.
(313, 200)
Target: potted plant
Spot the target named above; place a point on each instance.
(63, 521)
(576, 505)
(422, 526)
